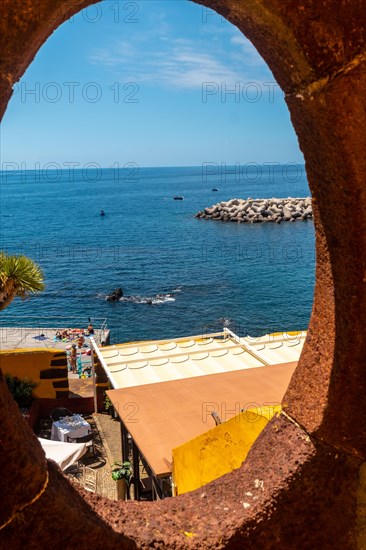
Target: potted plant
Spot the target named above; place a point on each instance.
(122, 474)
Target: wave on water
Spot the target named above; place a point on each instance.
(157, 299)
(161, 298)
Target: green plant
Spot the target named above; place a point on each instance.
(21, 389)
(122, 471)
(19, 276)
(107, 403)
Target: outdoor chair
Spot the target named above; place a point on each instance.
(90, 479)
(58, 413)
(88, 438)
(146, 488)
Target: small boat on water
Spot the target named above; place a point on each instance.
(215, 189)
(178, 198)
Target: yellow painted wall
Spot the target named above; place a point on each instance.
(45, 367)
(218, 451)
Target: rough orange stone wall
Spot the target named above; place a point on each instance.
(301, 485)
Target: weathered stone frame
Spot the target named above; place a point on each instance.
(303, 484)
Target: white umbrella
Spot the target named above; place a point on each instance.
(65, 454)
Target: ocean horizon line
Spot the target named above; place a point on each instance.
(94, 165)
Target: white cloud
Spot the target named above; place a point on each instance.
(238, 39)
(187, 69)
(120, 54)
(251, 56)
(183, 63)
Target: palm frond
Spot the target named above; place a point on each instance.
(19, 276)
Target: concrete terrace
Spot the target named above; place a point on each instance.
(24, 337)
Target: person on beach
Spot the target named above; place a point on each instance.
(73, 358)
(81, 341)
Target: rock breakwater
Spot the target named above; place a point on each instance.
(259, 210)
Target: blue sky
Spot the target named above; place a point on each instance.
(147, 82)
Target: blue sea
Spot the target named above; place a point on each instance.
(180, 275)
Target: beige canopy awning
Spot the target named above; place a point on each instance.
(164, 415)
(153, 362)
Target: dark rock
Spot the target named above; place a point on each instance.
(115, 295)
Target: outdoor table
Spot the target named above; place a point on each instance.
(69, 426)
